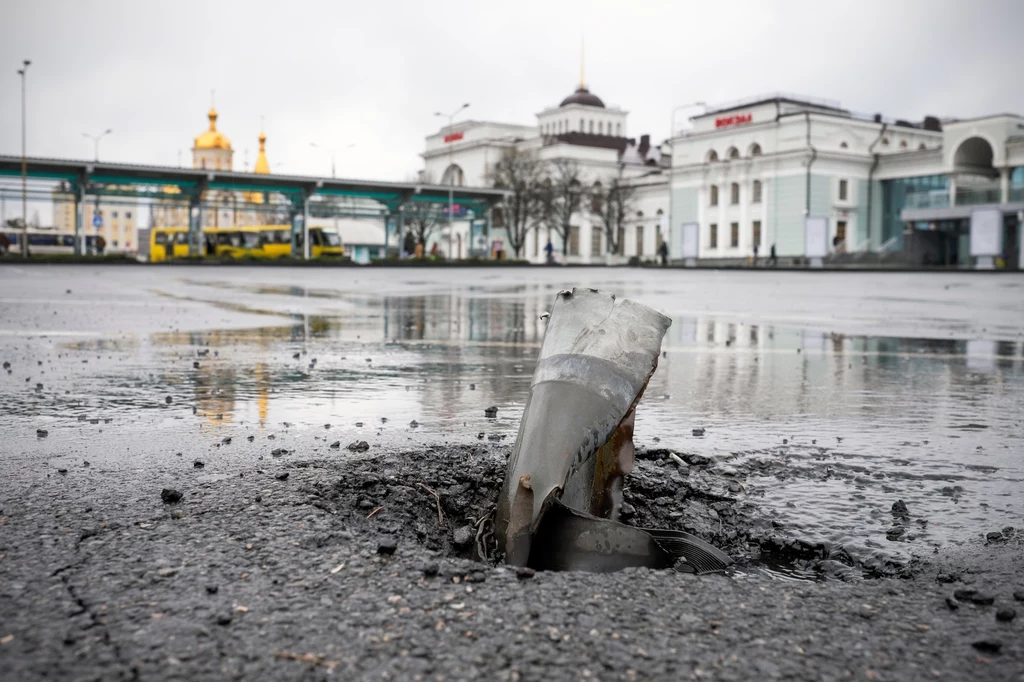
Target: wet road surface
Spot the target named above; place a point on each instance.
(871, 388)
(824, 397)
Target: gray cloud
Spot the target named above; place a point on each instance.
(373, 73)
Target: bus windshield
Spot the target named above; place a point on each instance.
(332, 239)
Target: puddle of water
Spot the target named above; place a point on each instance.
(835, 400)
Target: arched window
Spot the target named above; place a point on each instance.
(618, 129)
(755, 197)
(712, 156)
(591, 125)
(755, 149)
(921, 147)
(453, 175)
(713, 195)
(600, 127)
(733, 153)
(843, 145)
(903, 144)
(639, 215)
(597, 198)
(734, 193)
(583, 128)
(885, 141)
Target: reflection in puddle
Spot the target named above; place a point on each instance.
(831, 427)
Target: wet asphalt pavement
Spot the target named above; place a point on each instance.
(824, 399)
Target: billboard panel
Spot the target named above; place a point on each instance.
(987, 232)
(691, 240)
(815, 237)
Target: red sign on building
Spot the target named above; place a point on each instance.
(452, 137)
(734, 120)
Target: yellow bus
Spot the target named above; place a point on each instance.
(270, 241)
(167, 242)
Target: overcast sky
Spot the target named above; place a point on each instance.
(372, 73)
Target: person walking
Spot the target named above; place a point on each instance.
(663, 252)
(755, 255)
(772, 260)
(549, 253)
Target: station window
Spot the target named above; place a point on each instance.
(639, 240)
(113, 214)
(714, 195)
(618, 129)
(756, 194)
(127, 214)
(600, 127)
(734, 193)
(591, 125)
(713, 236)
(755, 149)
(595, 241)
(734, 235)
(843, 190)
(583, 127)
(843, 145)
(756, 236)
(712, 156)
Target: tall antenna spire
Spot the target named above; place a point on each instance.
(212, 98)
(583, 83)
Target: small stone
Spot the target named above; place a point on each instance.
(430, 570)
(475, 577)
(296, 356)
(982, 599)
(413, 424)
(1019, 595)
(525, 573)
(250, 438)
(224, 619)
(1006, 615)
(62, 471)
(359, 425)
(42, 433)
(387, 546)
(212, 589)
(283, 476)
(358, 446)
(988, 646)
(327, 427)
(953, 604)
(167, 572)
(698, 432)
(480, 436)
(627, 510)
(491, 411)
(895, 533)
(168, 400)
(463, 536)
(198, 464)
(226, 440)
(195, 365)
(785, 441)
(472, 387)
(965, 594)
(85, 463)
(335, 445)
(899, 508)
(170, 496)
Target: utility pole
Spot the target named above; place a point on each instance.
(451, 175)
(24, 166)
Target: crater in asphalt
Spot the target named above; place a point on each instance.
(439, 498)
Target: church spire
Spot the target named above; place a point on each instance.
(583, 83)
(262, 166)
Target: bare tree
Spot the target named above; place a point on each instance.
(560, 198)
(520, 173)
(611, 204)
(422, 219)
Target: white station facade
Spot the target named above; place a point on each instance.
(807, 177)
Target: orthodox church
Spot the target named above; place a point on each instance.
(212, 150)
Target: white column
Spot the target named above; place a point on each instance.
(1004, 185)
(952, 190)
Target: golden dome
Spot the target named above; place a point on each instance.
(212, 139)
(262, 166)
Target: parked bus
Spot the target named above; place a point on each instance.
(271, 241)
(47, 242)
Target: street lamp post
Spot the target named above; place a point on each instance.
(672, 147)
(451, 174)
(24, 165)
(96, 142)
